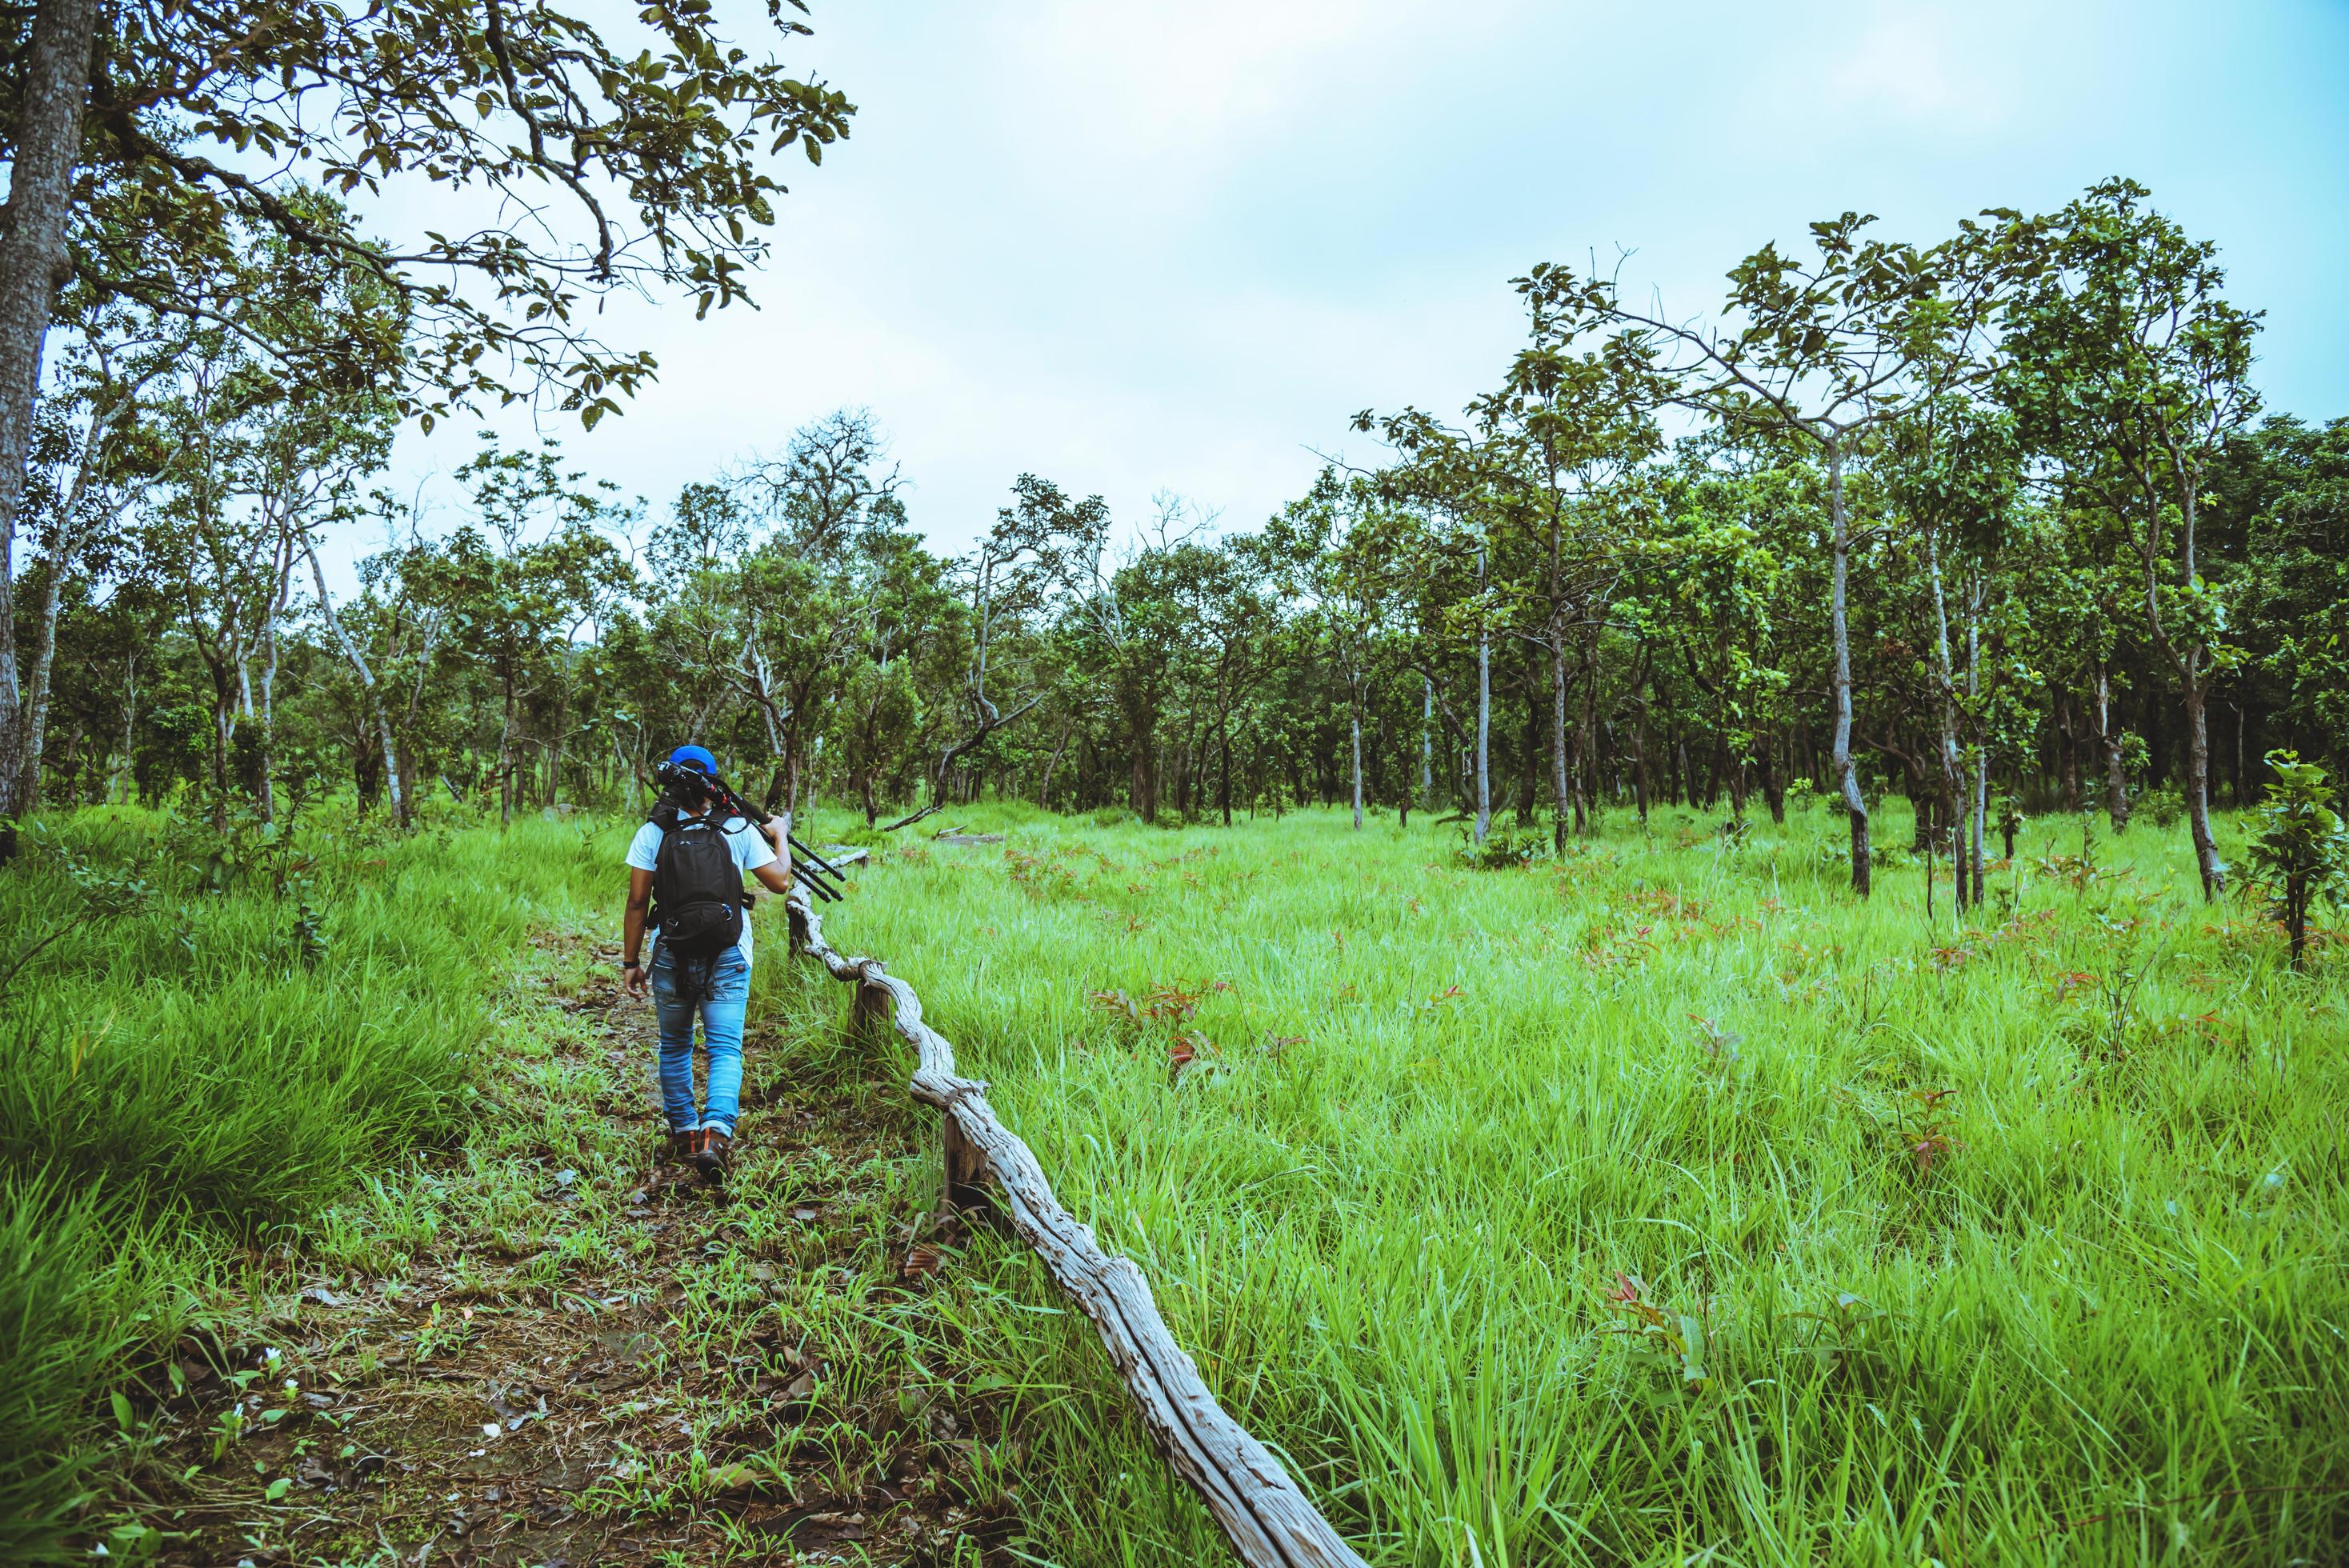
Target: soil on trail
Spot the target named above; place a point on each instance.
(548, 1347)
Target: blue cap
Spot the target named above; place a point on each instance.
(696, 758)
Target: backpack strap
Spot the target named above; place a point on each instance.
(664, 816)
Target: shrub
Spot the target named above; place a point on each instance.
(2163, 808)
(2298, 847)
(1503, 847)
(2010, 821)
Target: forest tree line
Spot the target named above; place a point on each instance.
(1997, 523)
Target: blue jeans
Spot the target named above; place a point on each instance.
(717, 990)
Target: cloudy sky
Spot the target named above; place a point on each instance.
(1137, 246)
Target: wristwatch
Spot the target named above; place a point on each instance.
(628, 964)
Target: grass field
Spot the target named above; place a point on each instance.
(1656, 1204)
(1659, 1204)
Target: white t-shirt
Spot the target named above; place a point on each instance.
(751, 850)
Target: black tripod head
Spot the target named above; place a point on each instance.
(691, 784)
(688, 784)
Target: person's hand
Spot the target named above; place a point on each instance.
(778, 828)
(632, 981)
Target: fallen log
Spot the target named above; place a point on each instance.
(1270, 1522)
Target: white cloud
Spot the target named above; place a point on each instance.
(1926, 65)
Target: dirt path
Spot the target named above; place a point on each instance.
(547, 1347)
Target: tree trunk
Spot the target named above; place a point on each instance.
(267, 715)
(1927, 809)
(1044, 791)
(1529, 752)
(37, 689)
(561, 727)
(2198, 781)
(1774, 786)
(1403, 796)
(1558, 784)
(366, 765)
(1354, 721)
(1980, 793)
(2108, 739)
(506, 761)
(1145, 778)
(1484, 712)
(2196, 690)
(1978, 782)
(2067, 751)
(73, 535)
(1639, 756)
(52, 84)
(223, 733)
(1195, 768)
(282, 559)
(1585, 771)
(70, 762)
(371, 693)
(1846, 773)
(124, 772)
(1945, 708)
(2242, 794)
(1224, 778)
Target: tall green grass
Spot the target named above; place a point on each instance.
(1661, 1203)
(205, 1040)
(70, 1284)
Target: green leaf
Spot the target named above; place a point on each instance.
(1692, 1350)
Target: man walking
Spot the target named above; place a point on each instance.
(686, 867)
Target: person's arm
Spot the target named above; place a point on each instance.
(632, 930)
(775, 876)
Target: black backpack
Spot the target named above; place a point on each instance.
(697, 887)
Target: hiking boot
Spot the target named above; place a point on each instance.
(681, 1147)
(709, 1153)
